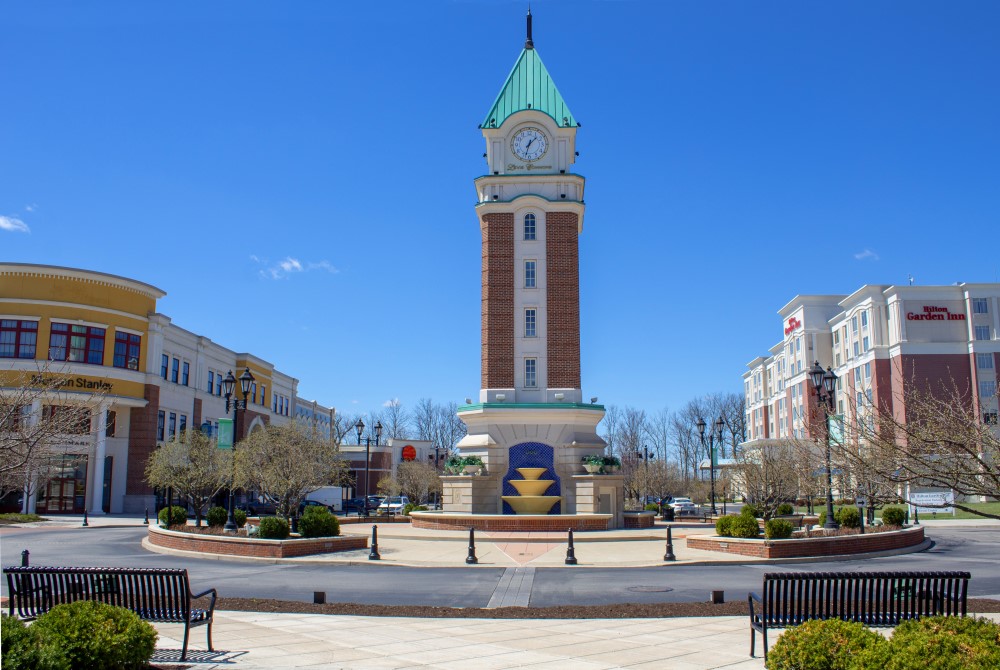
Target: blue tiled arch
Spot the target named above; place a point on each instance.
(531, 455)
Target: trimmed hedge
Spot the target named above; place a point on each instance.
(745, 525)
(178, 516)
(936, 643)
(724, 525)
(413, 507)
(893, 516)
(217, 516)
(83, 635)
(318, 522)
(777, 529)
(785, 509)
(825, 645)
(240, 517)
(847, 517)
(273, 528)
(750, 510)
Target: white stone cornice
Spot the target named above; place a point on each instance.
(550, 206)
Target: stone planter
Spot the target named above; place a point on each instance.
(471, 469)
(592, 469)
(250, 547)
(906, 538)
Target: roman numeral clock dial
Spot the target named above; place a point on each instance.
(529, 144)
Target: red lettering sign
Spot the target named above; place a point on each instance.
(933, 313)
(793, 323)
(409, 453)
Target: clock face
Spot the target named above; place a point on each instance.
(529, 144)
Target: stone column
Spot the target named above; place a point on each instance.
(97, 465)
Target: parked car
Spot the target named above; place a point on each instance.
(393, 505)
(258, 508)
(354, 505)
(682, 506)
(311, 503)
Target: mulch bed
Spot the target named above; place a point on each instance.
(618, 611)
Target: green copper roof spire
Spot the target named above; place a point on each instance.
(529, 86)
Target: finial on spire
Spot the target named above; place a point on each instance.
(528, 44)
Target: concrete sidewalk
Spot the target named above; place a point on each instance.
(259, 640)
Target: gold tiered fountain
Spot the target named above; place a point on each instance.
(530, 489)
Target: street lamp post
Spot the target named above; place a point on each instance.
(644, 456)
(713, 436)
(360, 427)
(825, 385)
(228, 386)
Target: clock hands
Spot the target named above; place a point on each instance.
(528, 145)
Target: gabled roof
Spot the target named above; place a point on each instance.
(529, 86)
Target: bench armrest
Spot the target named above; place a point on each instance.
(751, 598)
(211, 605)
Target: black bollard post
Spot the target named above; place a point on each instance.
(24, 558)
(145, 521)
(471, 558)
(669, 556)
(373, 555)
(916, 517)
(570, 553)
(85, 524)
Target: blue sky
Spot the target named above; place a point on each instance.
(298, 177)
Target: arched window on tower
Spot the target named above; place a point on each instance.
(529, 226)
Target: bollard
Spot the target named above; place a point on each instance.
(145, 521)
(570, 553)
(85, 524)
(916, 517)
(861, 519)
(669, 556)
(471, 558)
(373, 555)
(718, 597)
(319, 597)
(24, 558)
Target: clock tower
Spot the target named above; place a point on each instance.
(531, 420)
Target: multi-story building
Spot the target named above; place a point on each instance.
(875, 339)
(98, 331)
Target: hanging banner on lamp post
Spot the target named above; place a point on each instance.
(225, 434)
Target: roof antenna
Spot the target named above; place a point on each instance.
(910, 277)
(528, 44)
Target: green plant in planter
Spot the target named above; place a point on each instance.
(318, 522)
(177, 514)
(593, 459)
(893, 516)
(217, 516)
(745, 525)
(724, 525)
(273, 528)
(777, 529)
(91, 634)
(785, 509)
(848, 517)
(413, 507)
(652, 507)
(750, 510)
(612, 463)
(472, 460)
(240, 517)
(453, 464)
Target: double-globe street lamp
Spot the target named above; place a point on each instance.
(825, 384)
(228, 386)
(644, 455)
(713, 436)
(360, 427)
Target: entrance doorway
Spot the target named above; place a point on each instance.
(65, 492)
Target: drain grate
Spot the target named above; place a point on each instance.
(649, 589)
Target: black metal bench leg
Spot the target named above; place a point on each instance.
(184, 649)
(764, 640)
(753, 639)
(210, 636)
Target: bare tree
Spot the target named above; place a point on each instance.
(193, 466)
(658, 430)
(767, 475)
(416, 481)
(343, 427)
(36, 415)
(395, 422)
(612, 425)
(285, 463)
(944, 441)
(424, 419)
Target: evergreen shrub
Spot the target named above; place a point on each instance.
(777, 529)
(240, 517)
(273, 528)
(744, 525)
(318, 522)
(724, 525)
(848, 517)
(178, 516)
(87, 635)
(652, 507)
(826, 645)
(750, 510)
(893, 516)
(945, 643)
(217, 516)
(785, 508)
(413, 507)
(18, 644)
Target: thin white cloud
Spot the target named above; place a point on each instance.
(13, 224)
(391, 402)
(866, 255)
(30, 208)
(289, 266)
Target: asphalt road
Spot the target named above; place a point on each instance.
(956, 548)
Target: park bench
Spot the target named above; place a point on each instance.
(877, 599)
(159, 595)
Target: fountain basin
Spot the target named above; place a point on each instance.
(531, 487)
(531, 504)
(532, 473)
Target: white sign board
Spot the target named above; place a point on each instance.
(929, 502)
